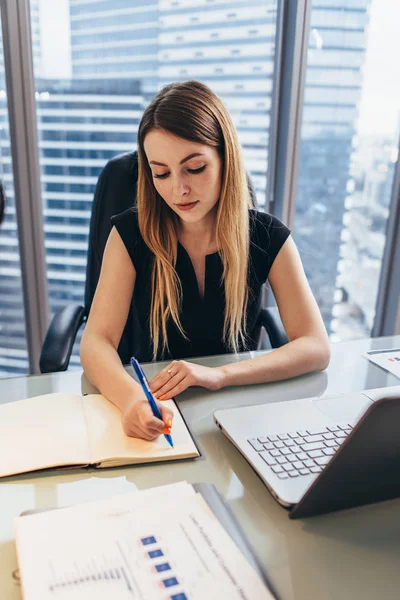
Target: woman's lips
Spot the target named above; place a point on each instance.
(187, 205)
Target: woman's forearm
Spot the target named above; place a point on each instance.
(104, 370)
(300, 356)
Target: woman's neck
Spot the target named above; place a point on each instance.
(200, 238)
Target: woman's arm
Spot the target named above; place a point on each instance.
(102, 335)
(308, 348)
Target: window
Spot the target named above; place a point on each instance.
(349, 143)
(97, 65)
(110, 59)
(13, 349)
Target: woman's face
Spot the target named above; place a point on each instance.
(187, 175)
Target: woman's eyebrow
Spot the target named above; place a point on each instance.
(154, 162)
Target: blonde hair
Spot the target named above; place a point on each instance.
(192, 111)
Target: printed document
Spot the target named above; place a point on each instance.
(164, 543)
(387, 359)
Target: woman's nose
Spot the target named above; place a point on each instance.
(180, 187)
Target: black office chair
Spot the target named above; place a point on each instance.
(115, 192)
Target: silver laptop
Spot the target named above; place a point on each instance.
(289, 443)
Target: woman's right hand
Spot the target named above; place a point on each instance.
(138, 420)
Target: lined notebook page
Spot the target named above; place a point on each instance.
(41, 432)
(110, 446)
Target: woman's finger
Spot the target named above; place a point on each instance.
(142, 423)
(162, 377)
(152, 422)
(137, 432)
(161, 381)
(178, 389)
(170, 385)
(167, 415)
(156, 382)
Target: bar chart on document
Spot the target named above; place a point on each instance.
(126, 569)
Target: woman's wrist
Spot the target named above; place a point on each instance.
(128, 395)
(223, 379)
(242, 373)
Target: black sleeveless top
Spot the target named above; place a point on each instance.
(202, 318)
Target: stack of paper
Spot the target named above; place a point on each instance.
(163, 543)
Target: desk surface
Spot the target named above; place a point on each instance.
(350, 555)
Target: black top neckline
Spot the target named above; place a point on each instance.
(205, 256)
(210, 262)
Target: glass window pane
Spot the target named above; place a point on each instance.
(13, 348)
(349, 142)
(101, 66)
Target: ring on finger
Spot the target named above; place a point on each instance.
(169, 371)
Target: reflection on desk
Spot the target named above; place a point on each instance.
(349, 555)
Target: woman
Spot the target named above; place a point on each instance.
(195, 256)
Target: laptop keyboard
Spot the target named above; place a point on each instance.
(300, 452)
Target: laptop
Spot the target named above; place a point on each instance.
(318, 455)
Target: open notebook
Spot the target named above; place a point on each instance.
(68, 430)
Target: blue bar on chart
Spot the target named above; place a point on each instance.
(148, 540)
(155, 553)
(163, 567)
(170, 581)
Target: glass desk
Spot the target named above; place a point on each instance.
(350, 555)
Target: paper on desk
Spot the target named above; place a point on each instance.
(171, 493)
(166, 547)
(387, 359)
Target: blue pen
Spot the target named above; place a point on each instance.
(146, 388)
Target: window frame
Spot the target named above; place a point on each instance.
(18, 65)
(292, 32)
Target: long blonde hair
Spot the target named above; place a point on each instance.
(192, 111)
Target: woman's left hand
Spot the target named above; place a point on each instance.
(179, 375)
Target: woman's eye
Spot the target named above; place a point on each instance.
(200, 170)
(193, 171)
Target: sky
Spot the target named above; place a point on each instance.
(55, 39)
(380, 99)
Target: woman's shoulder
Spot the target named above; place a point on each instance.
(127, 218)
(127, 225)
(264, 226)
(267, 236)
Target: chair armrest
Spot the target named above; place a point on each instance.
(271, 321)
(60, 338)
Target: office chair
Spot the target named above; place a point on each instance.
(115, 192)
